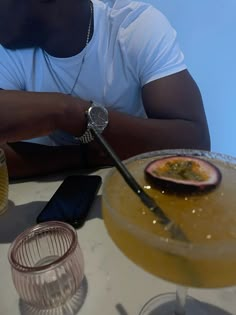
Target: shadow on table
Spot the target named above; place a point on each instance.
(207, 309)
(18, 218)
(213, 310)
(57, 175)
(201, 308)
(72, 307)
(96, 209)
(121, 310)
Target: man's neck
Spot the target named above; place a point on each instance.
(67, 35)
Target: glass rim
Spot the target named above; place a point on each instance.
(177, 247)
(45, 226)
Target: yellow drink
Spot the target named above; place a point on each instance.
(3, 183)
(207, 219)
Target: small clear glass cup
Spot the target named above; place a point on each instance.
(47, 264)
(4, 183)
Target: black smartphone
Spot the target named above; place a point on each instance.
(72, 200)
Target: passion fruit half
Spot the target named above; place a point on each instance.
(181, 173)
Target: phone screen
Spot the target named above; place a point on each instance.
(72, 200)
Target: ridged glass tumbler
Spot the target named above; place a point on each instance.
(47, 264)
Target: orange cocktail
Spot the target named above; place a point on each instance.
(207, 218)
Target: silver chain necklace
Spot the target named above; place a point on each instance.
(83, 58)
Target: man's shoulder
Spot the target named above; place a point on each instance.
(123, 4)
(126, 9)
(134, 18)
(16, 65)
(18, 54)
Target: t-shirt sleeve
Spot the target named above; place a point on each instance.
(10, 70)
(152, 47)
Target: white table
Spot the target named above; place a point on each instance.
(116, 286)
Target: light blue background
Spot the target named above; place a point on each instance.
(207, 35)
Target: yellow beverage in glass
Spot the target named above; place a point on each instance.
(208, 219)
(3, 183)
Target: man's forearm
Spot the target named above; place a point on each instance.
(131, 135)
(127, 135)
(26, 115)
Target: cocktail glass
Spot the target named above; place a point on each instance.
(208, 219)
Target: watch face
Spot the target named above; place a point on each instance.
(98, 116)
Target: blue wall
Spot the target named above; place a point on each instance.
(206, 31)
(207, 35)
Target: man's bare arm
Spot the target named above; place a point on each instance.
(173, 105)
(176, 120)
(26, 115)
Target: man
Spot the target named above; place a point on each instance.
(58, 56)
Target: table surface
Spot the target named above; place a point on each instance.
(113, 284)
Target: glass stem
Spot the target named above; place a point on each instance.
(181, 296)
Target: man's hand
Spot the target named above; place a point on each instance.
(26, 115)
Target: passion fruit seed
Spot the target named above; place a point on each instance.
(180, 172)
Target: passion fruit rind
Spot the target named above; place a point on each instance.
(183, 173)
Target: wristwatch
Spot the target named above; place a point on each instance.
(97, 116)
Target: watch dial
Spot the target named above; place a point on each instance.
(98, 116)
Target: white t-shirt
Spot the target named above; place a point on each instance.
(133, 44)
